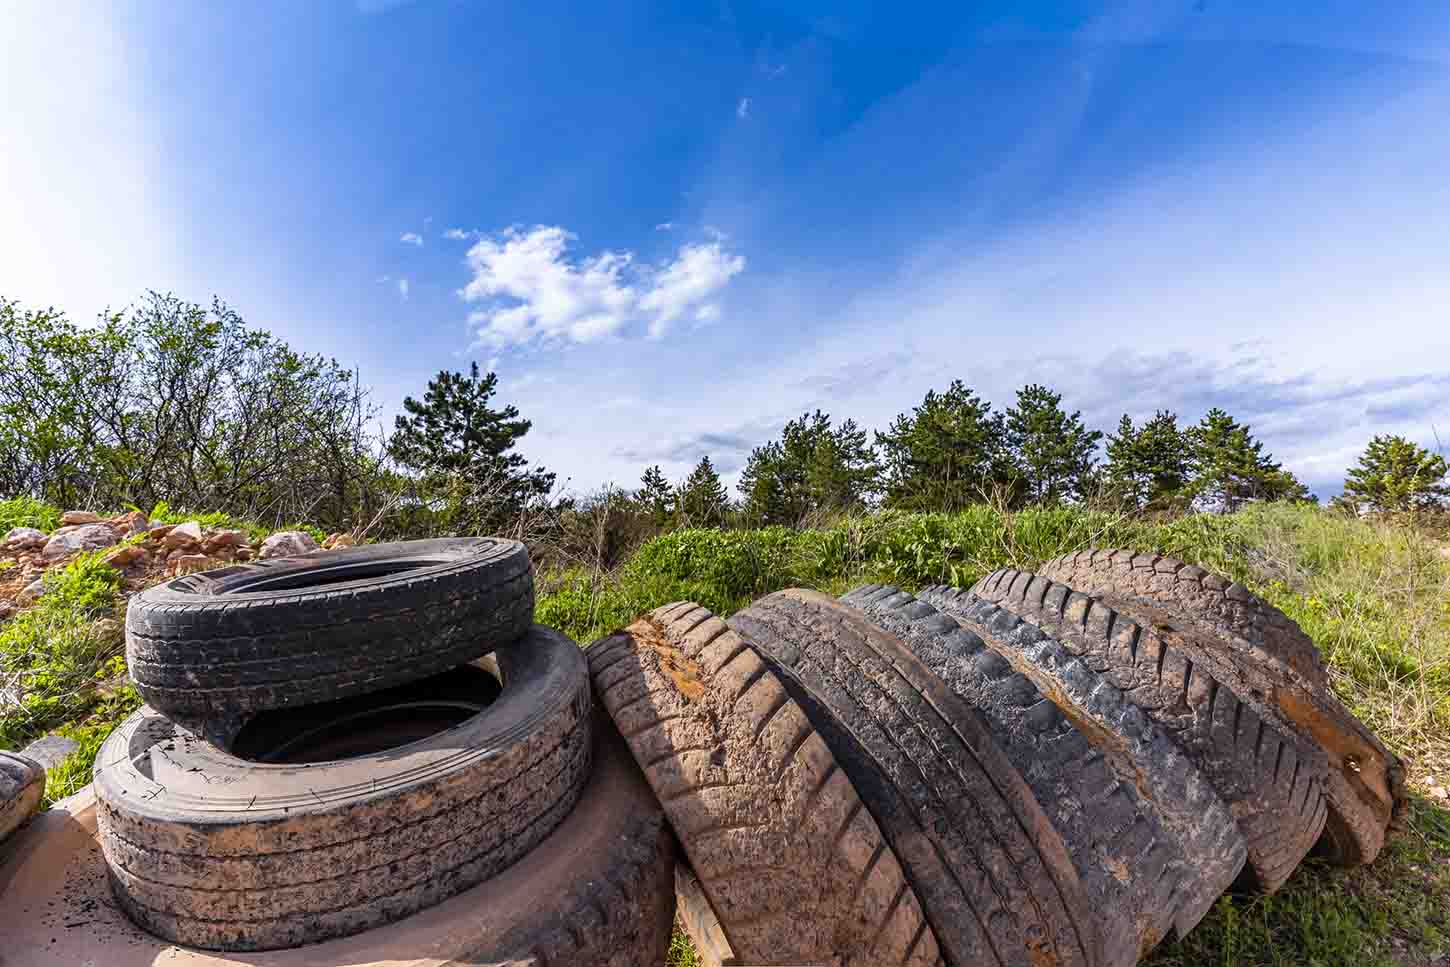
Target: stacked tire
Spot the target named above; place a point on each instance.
(336, 741)
(1066, 767)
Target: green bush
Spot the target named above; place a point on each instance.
(28, 512)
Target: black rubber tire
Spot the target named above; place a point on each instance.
(994, 879)
(1129, 859)
(1192, 810)
(213, 648)
(793, 868)
(1366, 787)
(22, 785)
(1271, 778)
(213, 851)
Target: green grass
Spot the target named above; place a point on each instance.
(27, 512)
(1376, 598)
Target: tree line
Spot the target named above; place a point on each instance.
(176, 402)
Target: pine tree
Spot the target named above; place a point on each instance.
(702, 498)
(656, 496)
(1395, 475)
(813, 467)
(949, 452)
(1230, 467)
(1147, 467)
(462, 449)
(1053, 452)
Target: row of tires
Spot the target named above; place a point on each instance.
(375, 752)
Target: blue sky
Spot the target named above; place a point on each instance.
(671, 227)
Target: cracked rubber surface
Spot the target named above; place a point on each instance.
(214, 851)
(1272, 780)
(211, 649)
(787, 864)
(22, 784)
(1366, 783)
(993, 876)
(597, 892)
(1129, 859)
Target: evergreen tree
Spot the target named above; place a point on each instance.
(947, 453)
(462, 448)
(1053, 452)
(656, 496)
(702, 499)
(1148, 467)
(1230, 467)
(812, 467)
(1396, 475)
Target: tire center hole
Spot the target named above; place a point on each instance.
(369, 724)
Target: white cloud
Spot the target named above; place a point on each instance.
(457, 235)
(742, 110)
(688, 283)
(664, 226)
(411, 238)
(403, 288)
(531, 289)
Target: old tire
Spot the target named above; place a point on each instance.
(791, 866)
(1129, 856)
(22, 785)
(993, 877)
(213, 648)
(214, 851)
(1272, 779)
(1366, 783)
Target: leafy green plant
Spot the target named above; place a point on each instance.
(28, 512)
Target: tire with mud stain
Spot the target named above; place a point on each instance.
(211, 649)
(1150, 836)
(1272, 779)
(788, 867)
(1366, 783)
(1127, 861)
(211, 850)
(994, 879)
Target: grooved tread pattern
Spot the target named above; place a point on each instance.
(785, 864)
(994, 879)
(1129, 863)
(1272, 780)
(1366, 782)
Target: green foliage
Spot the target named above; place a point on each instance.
(656, 496)
(701, 500)
(71, 774)
(949, 453)
(1053, 452)
(463, 451)
(1148, 467)
(1395, 475)
(812, 469)
(161, 513)
(28, 512)
(54, 655)
(1230, 467)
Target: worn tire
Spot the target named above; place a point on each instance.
(993, 658)
(214, 851)
(22, 785)
(1366, 784)
(213, 648)
(1128, 860)
(1272, 779)
(794, 870)
(994, 878)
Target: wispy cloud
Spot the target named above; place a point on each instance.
(742, 110)
(532, 289)
(664, 226)
(411, 238)
(458, 235)
(403, 289)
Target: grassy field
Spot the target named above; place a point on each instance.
(1375, 597)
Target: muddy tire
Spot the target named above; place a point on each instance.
(790, 865)
(214, 851)
(213, 648)
(1146, 828)
(1272, 779)
(22, 785)
(994, 878)
(1366, 783)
